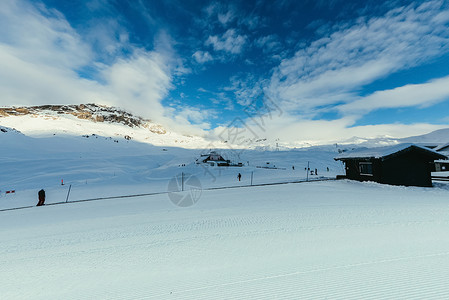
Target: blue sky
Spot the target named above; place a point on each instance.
(332, 69)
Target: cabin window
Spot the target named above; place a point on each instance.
(366, 168)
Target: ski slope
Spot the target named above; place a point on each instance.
(315, 240)
(97, 166)
(310, 240)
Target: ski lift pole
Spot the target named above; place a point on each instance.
(68, 193)
(252, 177)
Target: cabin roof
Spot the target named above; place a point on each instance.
(444, 147)
(385, 152)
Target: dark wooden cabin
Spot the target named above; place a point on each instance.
(404, 164)
(216, 159)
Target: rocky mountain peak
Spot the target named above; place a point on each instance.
(92, 112)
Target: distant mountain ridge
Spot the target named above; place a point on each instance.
(432, 139)
(88, 119)
(436, 137)
(91, 112)
(92, 120)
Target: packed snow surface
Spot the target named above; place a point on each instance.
(315, 240)
(310, 240)
(96, 166)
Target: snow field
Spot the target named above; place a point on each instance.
(98, 167)
(316, 240)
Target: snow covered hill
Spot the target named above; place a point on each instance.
(310, 240)
(437, 137)
(99, 166)
(88, 119)
(102, 151)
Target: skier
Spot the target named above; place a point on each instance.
(316, 172)
(293, 168)
(41, 195)
(239, 176)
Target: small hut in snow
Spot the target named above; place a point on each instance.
(213, 158)
(404, 164)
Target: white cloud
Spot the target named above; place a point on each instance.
(143, 80)
(41, 39)
(330, 72)
(194, 115)
(225, 18)
(245, 87)
(421, 95)
(107, 37)
(41, 56)
(230, 41)
(225, 13)
(268, 43)
(223, 100)
(202, 57)
(332, 69)
(289, 128)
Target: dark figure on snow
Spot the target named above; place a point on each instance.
(316, 172)
(41, 195)
(293, 168)
(239, 176)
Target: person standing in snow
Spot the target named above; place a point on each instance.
(239, 176)
(41, 195)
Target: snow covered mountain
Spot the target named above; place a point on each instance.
(92, 119)
(436, 137)
(325, 229)
(432, 139)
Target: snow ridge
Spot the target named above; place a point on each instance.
(92, 112)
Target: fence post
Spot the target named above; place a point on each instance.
(68, 193)
(308, 169)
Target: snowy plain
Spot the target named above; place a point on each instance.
(315, 240)
(310, 240)
(96, 166)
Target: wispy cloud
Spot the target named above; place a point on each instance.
(330, 72)
(223, 100)
(268, 43)
(420, 95)
(245, 88)
(41, 35)
(225, 18)
(230, 42)
(331, 69)
(202, 57)
(289, 128)
(43, 60)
